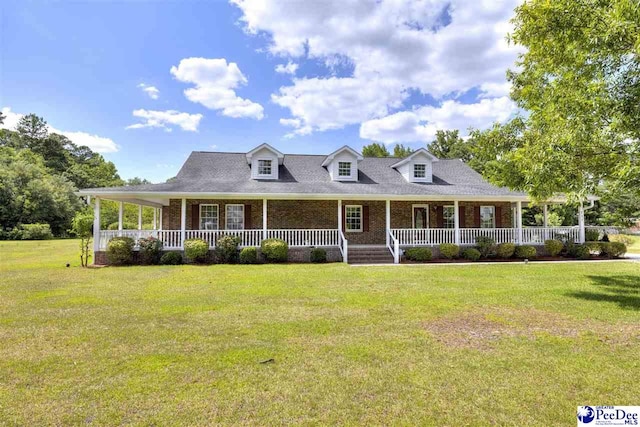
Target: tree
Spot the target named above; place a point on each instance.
(139, 181)
(401, 151)
(2, 117)
(82, 227)
(375, 150)
(449, 145)
(32, 127)
(579, 81)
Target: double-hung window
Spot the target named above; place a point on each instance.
(419, 170)
(235, 217)
(208, 217)
(264, 167)
(448, 214)
(487, 216)
(353, 218)
(344, 169)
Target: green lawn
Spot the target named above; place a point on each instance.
(436, 345)
(634, 248)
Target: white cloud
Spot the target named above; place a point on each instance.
(215, 81)
(420, 125)
(435, 47)
(152, 91)
(289, 68)
(97, 143)
(166, 119)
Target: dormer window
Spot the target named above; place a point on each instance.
(344, 169)
(264, 167)
(417, 167)
(419, 170)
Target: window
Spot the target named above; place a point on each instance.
(353, 218)
(448, 215)
(344, 168)
(264, 167)
(487, 216)
(208, 217)
(235, 217)
(419, 170)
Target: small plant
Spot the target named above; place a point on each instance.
(318, 255)
(613, 249)
(595, 248)
(249, 255)
(227, 249)
(622, 238)
(125, 226)
(591, 235)
(196, 250)
(525, 252)
(418, 254)
(274, 250)
(35, 232)
(605, 237)
(471, 254)
(120, 250)
(82, 226)
(171, 258)
(149, 250)
(506, 250)
(449, 250)
(485, 245)
(553, 247)
(578, 251)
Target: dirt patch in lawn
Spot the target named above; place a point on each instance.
(482, 329)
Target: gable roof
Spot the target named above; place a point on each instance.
(412, 155)
(268, 147)
(331, 156)
(228, 173)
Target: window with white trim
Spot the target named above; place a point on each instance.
(353, 218)
(448, 217)
(419, 170)
(344, 168)
(264, 167)
(487, 216)
(208, 217)
(235, 217)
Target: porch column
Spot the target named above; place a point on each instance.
(545, 216)
(139, 217)
(456, 222)
(388, 219)
(183, 221)
(155, 218)
(120, 215)
(340, 216)
(264, 219)
(160, 218)
(581, 235)
(519, 220)
(96, 227)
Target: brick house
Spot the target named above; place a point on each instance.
(356, 207)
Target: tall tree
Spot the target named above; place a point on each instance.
(401, 151)
(137, 181)
(32, 127)
(375, 150)
(449, 145)
(2, 117)
(579, 81)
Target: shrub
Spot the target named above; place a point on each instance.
(318, 255)
(595, 248)
(125, 226)
(150, 249)
(591, 235)
(196, 250)
(35, 232)
(485, 245)
(622, 238)
(171, 258)
(449, 250)
(553, 247)
(418, 254)
(120, 250)
(578, 251)
(471, 254)
(506, 250)
(613, 249)
(227, 249)
(525, 252)
(605, 237)
(249, 255)
(274, 250)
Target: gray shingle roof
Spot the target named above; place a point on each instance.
(211, 172)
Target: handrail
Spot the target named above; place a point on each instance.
(395, 250)
(343, 244)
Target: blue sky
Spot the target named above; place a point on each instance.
(350, 73)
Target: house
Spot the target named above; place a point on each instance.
(358, 208)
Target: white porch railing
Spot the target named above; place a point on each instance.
(305, 238)
(343, 244)
(106, 235)
(537, 235)
(423, 236)
(394, 247)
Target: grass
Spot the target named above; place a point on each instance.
(429, 345)
(634, 247)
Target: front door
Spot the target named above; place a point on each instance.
(420, 217)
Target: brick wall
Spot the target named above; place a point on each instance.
(402, 213)
(302, 214)
(171, 214)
